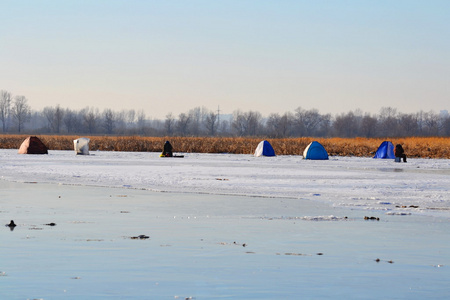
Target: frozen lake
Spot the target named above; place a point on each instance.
(420, 186)
(222, 227)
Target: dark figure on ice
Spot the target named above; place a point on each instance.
(11, 225)
(167, 152)
(399, 153)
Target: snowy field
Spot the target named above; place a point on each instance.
(419, 186)
(222, 226)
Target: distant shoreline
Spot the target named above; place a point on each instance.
(419, 147)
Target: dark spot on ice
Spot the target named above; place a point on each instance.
(11, 224)
(388, 261)
(243, 245)
(51, 224)
(140, 237)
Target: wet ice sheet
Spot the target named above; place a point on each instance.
(294, 248)
(419, 186)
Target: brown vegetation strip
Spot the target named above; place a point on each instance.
(426, 147)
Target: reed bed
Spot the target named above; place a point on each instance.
(425, 147)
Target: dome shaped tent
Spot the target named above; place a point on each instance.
(264, 149)
(81, 146)
(33, 145)
(315, 151)
(386, 150)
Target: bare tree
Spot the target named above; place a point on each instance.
(254, 122)
(169, 124)
(246, 124)
(5, 108)
(239, 123)
(388, 122)
(272, 125)
(324, 128)
(346, 125)
(368, 126)
(211, 123)
(20, 111)
(48, 113)
(195, 118)
(108, 121)
(59, 116)
(71, 121)
(131, 116)
(431, 121)
(279, 126)
(141, 121)
(90, 117)
(311, 120)
(408, 125)
(446, 126)
(183, 124)
(224, 127)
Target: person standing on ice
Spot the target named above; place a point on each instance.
(167, 152)
(399, 152)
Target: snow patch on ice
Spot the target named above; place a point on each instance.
(394, 213)
(323, 218)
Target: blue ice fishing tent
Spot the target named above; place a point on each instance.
(264, 149)
(315, 151)
(386, 150)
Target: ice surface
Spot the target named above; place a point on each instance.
(419, 186)
(204, 246)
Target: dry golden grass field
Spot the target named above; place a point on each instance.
(430, 147)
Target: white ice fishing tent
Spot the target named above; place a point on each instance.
(264, 149)
(81, 146)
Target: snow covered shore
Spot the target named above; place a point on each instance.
(419, 186)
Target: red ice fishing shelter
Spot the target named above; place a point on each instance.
(33, 145)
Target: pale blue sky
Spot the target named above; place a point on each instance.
(269, 56)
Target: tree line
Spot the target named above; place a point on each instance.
(17, 116)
